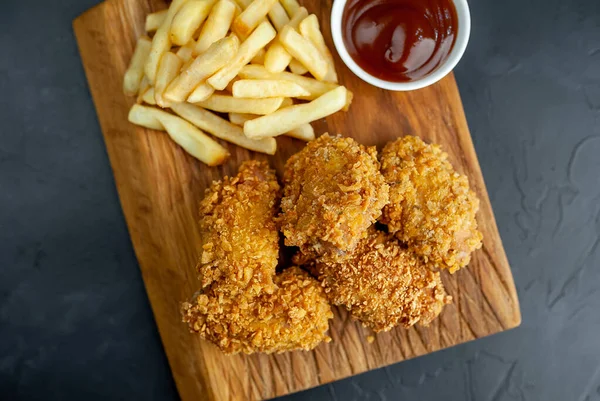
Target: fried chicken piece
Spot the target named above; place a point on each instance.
(382, 284)
(240, 241)
(243, 305)
(431, 206)
(333, 192)
(295, 316)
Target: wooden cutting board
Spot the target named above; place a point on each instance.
(160, 186)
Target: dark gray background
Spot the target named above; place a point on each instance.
(74, 318)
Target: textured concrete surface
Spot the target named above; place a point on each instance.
(74, 318)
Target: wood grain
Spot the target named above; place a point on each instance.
(160, 186)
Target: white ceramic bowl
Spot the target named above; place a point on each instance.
(462, 38)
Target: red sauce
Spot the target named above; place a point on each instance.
(399, 40)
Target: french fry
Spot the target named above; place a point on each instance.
(297, 17)
(144, 86)
(216, 26)
(309, 28)
(148, 97)
(287, 119)
(222, 128)
(188, 19)
(229, 87)
(291, 6)
(278, 16)
(305, 132)
(168, 69)
(155, 20)
(186, 135)
(286, 102)
(186, 52)
(251, 17)
(201, 93)
(243, 4)
(258, 39)
(135, 71)
(297, 68)
(258, 89)
(205, 65)
(230, 104)
(304, 51)
(277, 58)
(161, 42)
(259, 58)
(316, 88)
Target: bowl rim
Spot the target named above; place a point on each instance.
(458, 50)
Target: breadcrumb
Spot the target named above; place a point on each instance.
(431, 207)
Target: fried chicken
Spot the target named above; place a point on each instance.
(431, 207)
(382, 284)
(243, 305)
(333, 192)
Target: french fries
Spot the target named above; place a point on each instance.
(217, 55)
(135, 71)
(309, 28)
(155, 20)
(186, 135)
(216, 26)
(212, 123)
(168, 69)
(202, 92)
(292, 117)
(232, 56)
(251, 17)
(316, 88)
(258, 39)
(161, 42)
(258, 89)
(305, 52)
(188, 19)
(230, 104)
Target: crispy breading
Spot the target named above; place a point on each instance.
(431, 207)
(333, 192)
(382, 284)
(294, 316)
(240, 241)
(243, 305)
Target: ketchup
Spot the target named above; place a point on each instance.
(399, 40)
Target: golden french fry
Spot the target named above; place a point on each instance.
(222, 128)
(309, 28)
(205, 65)
(264, 88)
(161, 42)
(243, 4)
(144, 86)
(258, 39)
(135, 71)
(202, 92)
(155, 20)
(251, 17)
(259, 58)
(316, 88)
(285, 120)
(278, 16)
(186, 52)
(297, 68)
(148, 97)
(188, 19)
(291, 6)
(186, 135)
(277, 58)
(304, 51)
(230, 104)
(297, 17)
(305, 132)
(168, 69)
(286, 102)
(216, 26)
